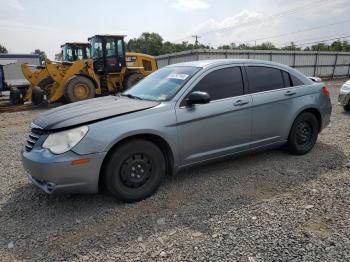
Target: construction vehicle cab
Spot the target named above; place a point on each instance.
(108, 53)
(72, 51)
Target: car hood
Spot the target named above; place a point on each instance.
(89, 111)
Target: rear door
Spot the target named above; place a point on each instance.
(220, 127)
(273, 104)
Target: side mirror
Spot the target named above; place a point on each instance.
(198, 97)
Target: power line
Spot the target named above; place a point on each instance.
(324, 40)
(296, 32)
(308, 39)
(276, 15)
(316, 40)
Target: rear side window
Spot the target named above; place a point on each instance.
(296, 81)
(222, 83)
(264, 79)
(287, 80)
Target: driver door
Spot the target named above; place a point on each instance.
(115, 55)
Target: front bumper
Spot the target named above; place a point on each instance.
(55, 173)
(343, 99)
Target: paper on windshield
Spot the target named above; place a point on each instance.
(178, 76)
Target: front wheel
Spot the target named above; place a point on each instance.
(303, 134)
(347, 107)
(134, 170)
(79, 88)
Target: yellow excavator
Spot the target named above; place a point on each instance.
(109, 70)
(39, 76)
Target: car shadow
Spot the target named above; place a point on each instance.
(49, 224)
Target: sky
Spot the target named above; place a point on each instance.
(26, 25)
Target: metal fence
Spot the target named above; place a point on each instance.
(322, 64)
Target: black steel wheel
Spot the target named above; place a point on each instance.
(303, 134)
(347, 107)
(134, 170)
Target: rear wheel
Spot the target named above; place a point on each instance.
(132, 80)
(303, 134)
(79, 88)
(16, 97)
(134, 170)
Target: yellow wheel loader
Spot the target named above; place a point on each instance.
(109, 70)
(39, 78)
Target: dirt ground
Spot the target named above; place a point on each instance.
(268, 206)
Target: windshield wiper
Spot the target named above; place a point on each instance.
(131, 96)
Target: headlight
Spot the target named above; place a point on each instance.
(346, 87)
(63, 141)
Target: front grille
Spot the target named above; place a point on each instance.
(33, 137)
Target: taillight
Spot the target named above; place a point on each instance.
(325, 91)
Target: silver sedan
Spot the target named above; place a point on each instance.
(179, 116)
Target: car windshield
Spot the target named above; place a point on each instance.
(163, 84)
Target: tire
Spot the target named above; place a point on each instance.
(132, 80)
(16, 97)
(79, 88)
(37, 96)
(303, 134)
(134, 170)
(42, 91)
(347, 107)
(46, 87)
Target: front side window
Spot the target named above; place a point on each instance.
(79, 53)
(67, 53)
(120, 48)
(222, 83)
(264, 79)
(163, 84)
(96, 48)
(110, 47)
(87, 53)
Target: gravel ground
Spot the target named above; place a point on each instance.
(268, 206)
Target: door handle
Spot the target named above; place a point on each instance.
(241, 102)
(289, 93)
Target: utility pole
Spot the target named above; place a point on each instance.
(196, 37)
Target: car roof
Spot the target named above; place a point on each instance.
(218, 62)
(208, 64)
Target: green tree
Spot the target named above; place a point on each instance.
(41, 54)
(58, 56)
(148, 43)
(3, 50)
(153, 44)
(291, 47)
